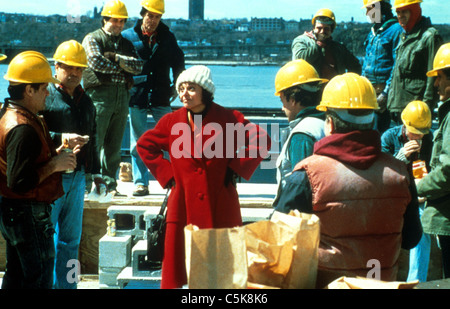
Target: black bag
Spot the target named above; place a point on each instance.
(155, 237)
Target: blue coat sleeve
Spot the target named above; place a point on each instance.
(296, 194)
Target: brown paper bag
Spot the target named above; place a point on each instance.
(303, 272)
(215, 258)
(283, 252)
(367, 283)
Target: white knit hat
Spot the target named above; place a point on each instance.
(197, 74)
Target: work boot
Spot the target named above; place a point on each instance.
(141, 191)
(116, 193)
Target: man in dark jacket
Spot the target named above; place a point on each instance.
(153, 89)
(70, 116)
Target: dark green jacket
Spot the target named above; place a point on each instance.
(436, 185)
(304, 47)
(415, 55)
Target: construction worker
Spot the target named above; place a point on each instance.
(70, 116)
(411, 143)
(317, 47)
(153, 90)
(418, 44)
(349, 177)
(434, 186)
(112, 61)
(30, 178)
(380, 44)
(299, 87)
(411, 140)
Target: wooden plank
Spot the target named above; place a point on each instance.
(245, 202)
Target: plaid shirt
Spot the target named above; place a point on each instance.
(98, 62)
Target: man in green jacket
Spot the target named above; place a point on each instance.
(112, 62)
(417, 48)
(328, 57)
(435, 186)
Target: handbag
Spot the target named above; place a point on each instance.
(156, 233)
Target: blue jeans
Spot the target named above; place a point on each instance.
(138, 126)
(419, 256)
(27, 228)
(67, 216)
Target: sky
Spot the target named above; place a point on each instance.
(218, 9)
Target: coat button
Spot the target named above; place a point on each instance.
(199, 171)
(200, 196)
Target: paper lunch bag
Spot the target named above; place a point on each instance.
(283, 252)
(215, 258)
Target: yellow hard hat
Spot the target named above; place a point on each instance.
(441, 60)
(30, 67)
(155, 6)
(417, 117)
(296, 72)
(2, 57)
(115, 9)
(324, 13)
(348, 91)
(371, 2)
(71, 53)
(402, 3)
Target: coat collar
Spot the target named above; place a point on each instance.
(212, 114)
(418, 29)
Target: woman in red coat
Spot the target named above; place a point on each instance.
(208, 146)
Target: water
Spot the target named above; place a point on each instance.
(236, 86)
(3, 83)
(245, 86)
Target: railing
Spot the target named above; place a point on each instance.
(265, 53)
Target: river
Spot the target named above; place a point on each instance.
(236, 86)
(246, 87)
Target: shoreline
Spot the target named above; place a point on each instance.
(231, 63)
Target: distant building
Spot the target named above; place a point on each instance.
(291, 25)
(197, 9)
(267, 24)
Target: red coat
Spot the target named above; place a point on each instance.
(200, 196)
